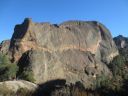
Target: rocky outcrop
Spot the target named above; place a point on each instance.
(122, 45)
(121, 41)
(70, 65)
(73, 50)
(11, 88)
(4, 46)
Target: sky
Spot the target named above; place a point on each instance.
(112, 13)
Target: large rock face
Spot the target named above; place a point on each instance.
(73, 50)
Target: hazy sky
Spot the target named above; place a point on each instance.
(112, 13)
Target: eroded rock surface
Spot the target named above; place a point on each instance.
(121, 41)
(9, 88)
(4, 46)
(73, 50)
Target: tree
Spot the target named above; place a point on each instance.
(7, 69)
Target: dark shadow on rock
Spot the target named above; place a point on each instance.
(47, 88)
(19, 32)
(23, 63)
(60, 87)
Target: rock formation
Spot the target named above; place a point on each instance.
(121, 41)
(9, 88)
(4, 46)
(122, 45)
(74, 50)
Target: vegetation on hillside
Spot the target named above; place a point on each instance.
(7, 69)
(27, 74)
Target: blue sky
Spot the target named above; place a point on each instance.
(112, 13)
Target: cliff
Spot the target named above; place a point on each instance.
(73, 50)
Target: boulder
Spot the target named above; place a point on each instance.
(13, 88)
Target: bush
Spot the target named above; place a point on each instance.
(8, 72)
(4, 59)
(117, 65)
(101, 81)
(7, 69)
(27, 74)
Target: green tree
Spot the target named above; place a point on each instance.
(4, 59)
(7, 69)
(117, 65)
(27, 74)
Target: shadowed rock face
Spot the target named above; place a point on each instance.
(121, 42)
(73, 50)
(122, 45)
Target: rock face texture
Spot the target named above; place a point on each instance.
(74, 50)
(121, 42)
(4, 46)
(14, 86)
(122, 45)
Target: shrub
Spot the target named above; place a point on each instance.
(7, 69)
(27, 74)
(101, 81)
(117, 65)
(4, 59)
